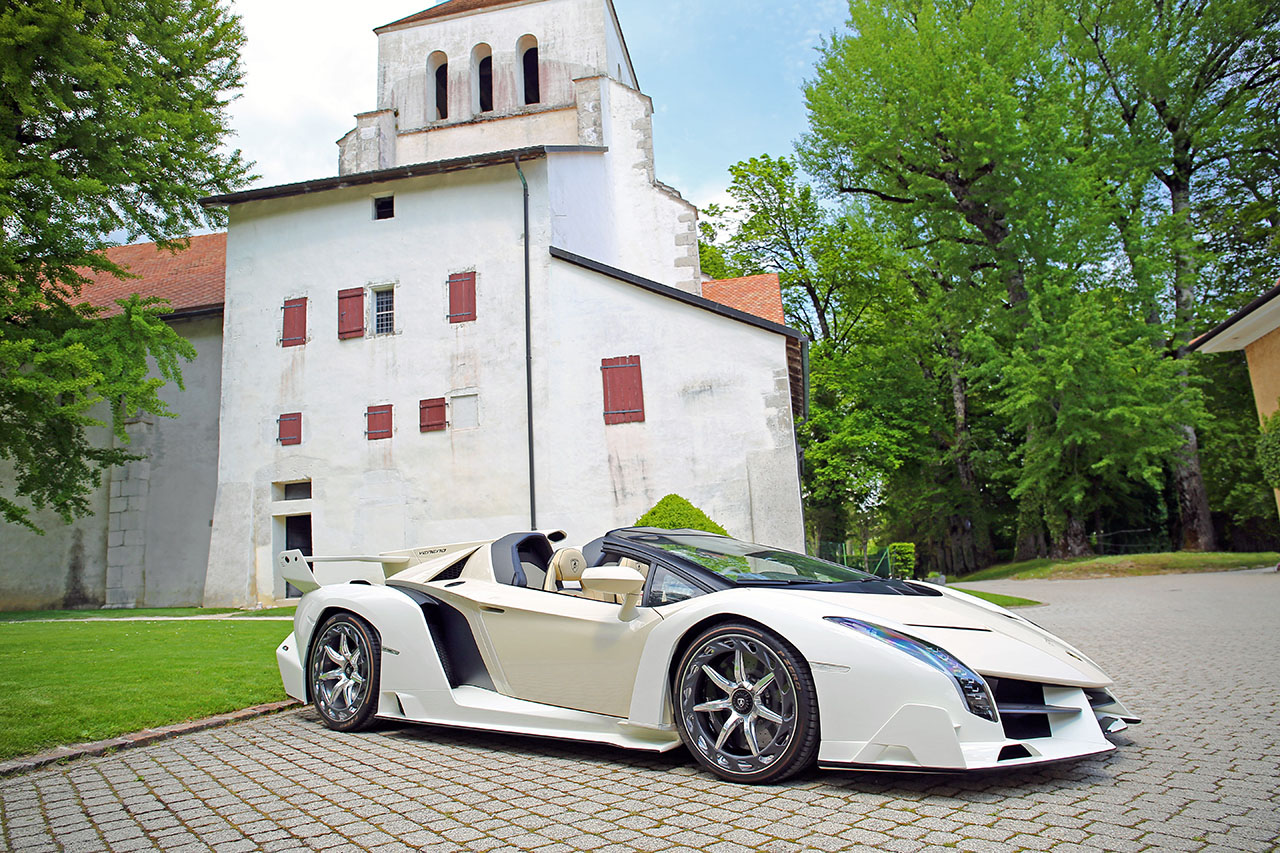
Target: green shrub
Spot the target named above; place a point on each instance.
(902, 558)
(674, 512)
(1269, 450)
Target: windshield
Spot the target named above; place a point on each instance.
(748, 564)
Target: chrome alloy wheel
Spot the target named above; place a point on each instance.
(738, 703)
(340, 672)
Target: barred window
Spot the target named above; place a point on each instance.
(384, 311)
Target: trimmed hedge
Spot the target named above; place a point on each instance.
(1269, 450)
(902, 558)
(673, 512)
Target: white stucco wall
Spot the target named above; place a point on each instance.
(183, 463)
(616, 211)
(370, 496)
(66, 567)
(717, 426)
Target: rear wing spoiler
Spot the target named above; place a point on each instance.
(298, 569)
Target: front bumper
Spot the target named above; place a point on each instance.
(1047, 723)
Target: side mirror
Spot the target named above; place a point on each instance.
(616, 580)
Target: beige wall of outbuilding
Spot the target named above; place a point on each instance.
(1264, 373)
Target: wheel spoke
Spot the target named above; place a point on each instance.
(714, 705)
(739, 665)
(749, 729)
(330, 675)
(762, 683)
(769, 714)
(334, 656)
(726, 730)
(720, 681)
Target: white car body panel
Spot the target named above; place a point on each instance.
(559, 665)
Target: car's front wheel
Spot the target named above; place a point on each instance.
(343, 672)
(745, 704)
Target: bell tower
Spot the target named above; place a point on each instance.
(469, 77)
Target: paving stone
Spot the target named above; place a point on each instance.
(1183, 650)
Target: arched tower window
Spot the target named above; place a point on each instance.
(531, 83)
(437, 86)
(482, 79)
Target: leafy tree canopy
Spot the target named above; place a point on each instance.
(114, 112)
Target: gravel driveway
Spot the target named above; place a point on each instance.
(1198, 656)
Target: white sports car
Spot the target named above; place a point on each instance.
(761, 661)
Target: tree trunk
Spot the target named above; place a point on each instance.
(1031, 543)
(1073, 542)
(1193, 499)
(972, 530)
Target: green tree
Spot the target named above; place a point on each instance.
(113, 114)
(1183, 98)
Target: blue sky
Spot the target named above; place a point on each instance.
(725, 78)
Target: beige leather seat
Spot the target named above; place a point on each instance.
(568, 564)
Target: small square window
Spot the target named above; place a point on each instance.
(384, 207)
(384, 311)
(297, 491)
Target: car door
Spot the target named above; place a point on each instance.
(563, 650)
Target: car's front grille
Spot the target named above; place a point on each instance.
(1022, 710)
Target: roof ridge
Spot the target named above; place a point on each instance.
(448, 7)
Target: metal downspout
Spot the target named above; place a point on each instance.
(528, 353)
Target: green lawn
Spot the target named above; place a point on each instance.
(115, 613)
(68, 682)
(998, 599)
(1121, 566)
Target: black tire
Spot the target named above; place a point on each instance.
(343, 670)
(745, 704)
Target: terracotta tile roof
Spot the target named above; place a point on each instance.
(755, 294)
(449, 7)
(190, 279)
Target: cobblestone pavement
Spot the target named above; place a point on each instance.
(1197, 655)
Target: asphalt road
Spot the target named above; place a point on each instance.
(1198, 656)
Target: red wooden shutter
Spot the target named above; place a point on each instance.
(431, 414)
(351, 313)
(378, 422)
(295, 323)
(290, 428)
(462, 297)
(623, 389)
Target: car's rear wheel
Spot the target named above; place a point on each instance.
(343, 672)
(745, 704)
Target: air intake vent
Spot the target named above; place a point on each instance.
(1015, 701)
(1012, 751)
(451, 573)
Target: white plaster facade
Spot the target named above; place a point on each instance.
(718, 401)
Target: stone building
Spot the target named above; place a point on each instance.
(147, 542)
(491, 319)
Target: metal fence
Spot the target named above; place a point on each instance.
(878, 562)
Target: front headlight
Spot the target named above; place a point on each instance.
(973, 688)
